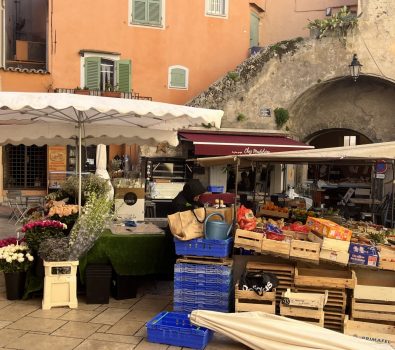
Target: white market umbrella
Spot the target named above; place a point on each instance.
(263, 331)
(61, 119)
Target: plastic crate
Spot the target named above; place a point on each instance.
(203, 287)
(218, 248)
(215, 189)
(185, 306)
(202, 269)
(174, 328)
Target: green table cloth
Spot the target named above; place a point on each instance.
(133, 254)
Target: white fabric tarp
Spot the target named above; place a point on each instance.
(263, 331)
(350, 154)
(52, 118)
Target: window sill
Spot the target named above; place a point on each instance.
(146, 25)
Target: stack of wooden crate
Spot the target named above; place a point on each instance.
(336, 282)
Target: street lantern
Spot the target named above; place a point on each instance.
(355, 67)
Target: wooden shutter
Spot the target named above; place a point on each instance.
(139, 11)
(178, 78)
(124, 69)
(254, 30)
(92, 73)
(154, 11)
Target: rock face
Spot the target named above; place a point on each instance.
(311, 79)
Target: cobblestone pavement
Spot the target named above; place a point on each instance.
(118, 325)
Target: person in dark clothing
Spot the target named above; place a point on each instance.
(188, 198)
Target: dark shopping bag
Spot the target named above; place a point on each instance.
(258, 281)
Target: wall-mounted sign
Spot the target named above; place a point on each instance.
(381, 167)
(265, 112)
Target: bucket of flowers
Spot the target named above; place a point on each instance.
(15, 260)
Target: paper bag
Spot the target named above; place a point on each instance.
(186, 225)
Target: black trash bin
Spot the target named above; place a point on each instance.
(123, 286)
(98, 283)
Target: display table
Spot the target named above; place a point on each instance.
(134, 254)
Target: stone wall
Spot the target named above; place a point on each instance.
(311, 79)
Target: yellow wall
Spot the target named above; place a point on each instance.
(209, 47)
(287, 19)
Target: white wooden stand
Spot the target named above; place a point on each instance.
(60, 289)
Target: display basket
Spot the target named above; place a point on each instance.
(174, 328)
(218, 248)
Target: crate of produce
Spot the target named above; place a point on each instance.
(306, 251)
(386, 257)
(277, 248)
(248, 300)
(274, 213)
(325, 278)
(375, 332)
(362, 254)
(219, 248)
(334, 256)
(308, 308)
(174, 328)
(373, 303)
(248, 240)
(328, 228)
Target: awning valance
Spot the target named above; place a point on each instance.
(219, 143)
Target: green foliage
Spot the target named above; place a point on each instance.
(339, 23)
(281, 116)
(234, 76)
(94, 218)
(241, 117)
(90, 183)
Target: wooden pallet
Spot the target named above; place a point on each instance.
(249, 240)
(375, 332)
(246, 300)
(276, 248)
(305, 251)
(373, 303)
(324, 278)
(205, 260)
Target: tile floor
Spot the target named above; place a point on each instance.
(118, 325)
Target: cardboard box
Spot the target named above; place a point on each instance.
(328, 228)
(362, 254)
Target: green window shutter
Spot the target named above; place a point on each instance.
(178, 78)
(154, 11)
(92, 72)
(139, 11)
(124, 70)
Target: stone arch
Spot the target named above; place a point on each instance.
(366, 106)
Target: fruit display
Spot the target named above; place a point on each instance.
(302, 214)
(273, 207)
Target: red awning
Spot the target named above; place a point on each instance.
(221, 144)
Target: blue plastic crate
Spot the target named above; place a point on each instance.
(218, 248)
(203, 269)
(203, 287)
(174, 328)
(210, 296)
(183, 306)
(200, 279)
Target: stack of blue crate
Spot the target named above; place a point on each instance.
(204, 284)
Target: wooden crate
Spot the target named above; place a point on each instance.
(308, 300)
(314, 315)
(272, 213)
(333, 256)
(305, 251)
(276, 248)
(284, 273)
(335, 244)
(387, 257)
(246, 300)
(248, 240)
(376, 332)
(324, 278)
(373, 303)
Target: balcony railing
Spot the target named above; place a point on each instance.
(128, 95)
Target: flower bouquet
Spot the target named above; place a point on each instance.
(15, 257)
(9, 240)
(65, 213)
(37, 231)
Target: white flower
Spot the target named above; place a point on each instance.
(21, 260)
(29, 257)
(8, 259)
(14, 256)
(20, 255)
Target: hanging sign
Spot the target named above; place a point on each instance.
(381, 167)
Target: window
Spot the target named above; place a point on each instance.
(178, 77)
(102, 73)
(217, 8)
(25, 167)
(147, 12)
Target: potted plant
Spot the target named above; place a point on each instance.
(111, 91)
(84, 91)
(15, 260)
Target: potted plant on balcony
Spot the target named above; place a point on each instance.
(84, 91)
(111, 91)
